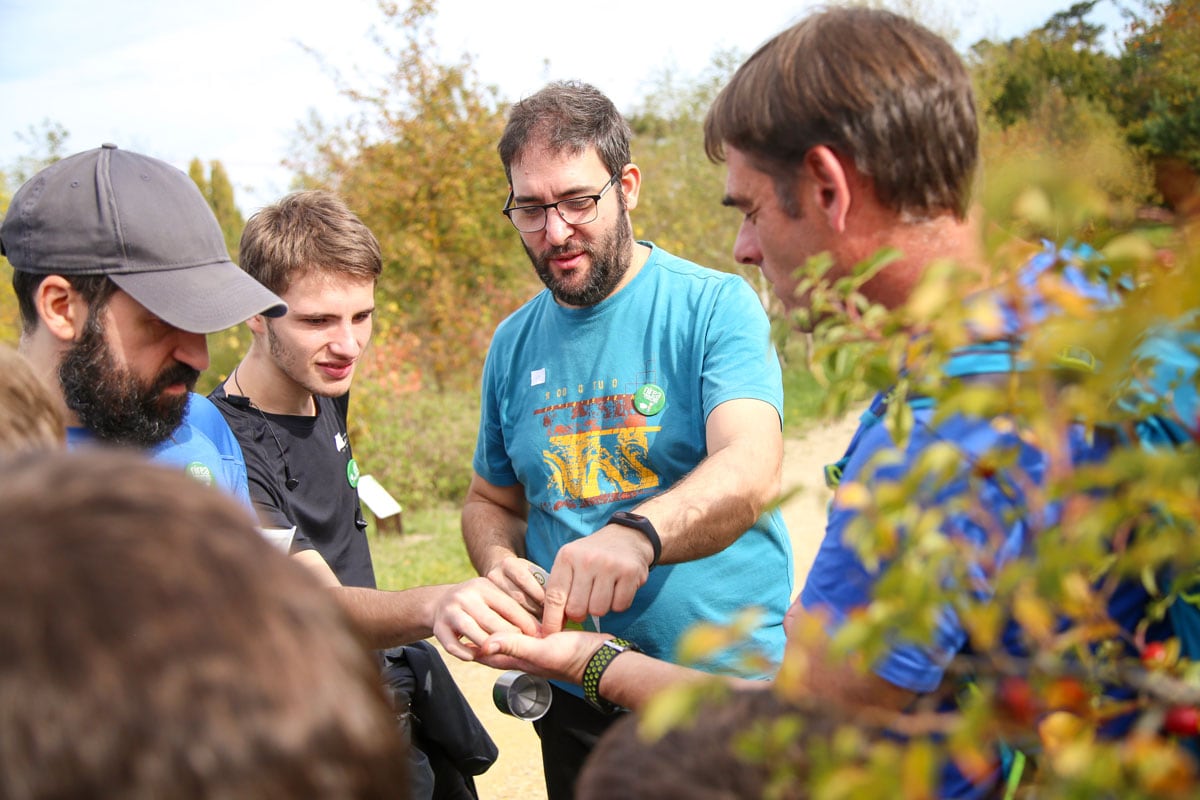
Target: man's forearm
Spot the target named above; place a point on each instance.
(491, 534)
(714, 504)
(633, 678)
(387, 619)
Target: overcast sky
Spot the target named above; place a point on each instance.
(231, 79)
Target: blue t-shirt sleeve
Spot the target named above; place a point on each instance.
(839, 583)
(740, 361)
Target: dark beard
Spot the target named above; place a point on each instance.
(111, 402)
(610, 259)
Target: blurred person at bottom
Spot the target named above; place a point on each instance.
(142, 656)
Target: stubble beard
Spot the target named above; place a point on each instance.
(286, 362)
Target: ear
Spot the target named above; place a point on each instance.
(830, 185)
(257, 325)
(631, 185)
(61, 309)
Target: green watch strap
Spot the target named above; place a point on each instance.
(610, 649)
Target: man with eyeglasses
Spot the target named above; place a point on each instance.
(630, 438)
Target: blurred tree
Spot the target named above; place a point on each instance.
(1064, 58)
(679, 207)
(46, 143)
(227, 347)
(218, 191)
(419, 166)
(1159, 93)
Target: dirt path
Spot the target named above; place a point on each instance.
(517, 774)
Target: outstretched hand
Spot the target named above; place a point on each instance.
(594, 575)
(560, 656)
(475, 609)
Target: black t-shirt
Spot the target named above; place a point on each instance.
(315, 453)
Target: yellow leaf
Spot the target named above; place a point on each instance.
(1033, 614)
(919, 769)
(984, 316)
(1130, 246)
(702, 641)
(982, 622)
(852, 496)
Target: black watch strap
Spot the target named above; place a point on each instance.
(639, 523)
(609, 650)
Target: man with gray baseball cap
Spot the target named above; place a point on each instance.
(120, 269)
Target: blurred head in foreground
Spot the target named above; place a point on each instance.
(31, 415)
(153, 644)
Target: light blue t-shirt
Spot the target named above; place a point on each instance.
(594, 410)
(202, 445)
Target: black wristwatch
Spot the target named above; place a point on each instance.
(639, 523)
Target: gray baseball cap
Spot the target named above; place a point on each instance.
(145, 225)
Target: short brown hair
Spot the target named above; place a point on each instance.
(31, 416)
(307, 232)
(157, 646)
(566, 117)
(875, 87)
(700, 759)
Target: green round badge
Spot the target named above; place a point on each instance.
(352, 473)
(200, 472)
(649, 399)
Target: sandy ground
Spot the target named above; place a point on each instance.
(518, 771)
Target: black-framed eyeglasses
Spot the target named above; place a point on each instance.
(574, 210)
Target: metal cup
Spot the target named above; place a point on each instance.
(522, 695)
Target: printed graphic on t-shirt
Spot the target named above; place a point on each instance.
(597, 449)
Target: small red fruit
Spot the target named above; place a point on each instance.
(1154, 655)
(1182, 721)
(1017, 699)
(1067, 694)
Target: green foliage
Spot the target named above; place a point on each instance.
(1159, 88)
(1060, 82)
(10, 315)
(218, 191)
(418, 443)
(1065, 172)
(679, 207)
(225, 350)
(46, 144)
(1064, 56)
(803, 394)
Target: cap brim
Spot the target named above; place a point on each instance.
(201, 299)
